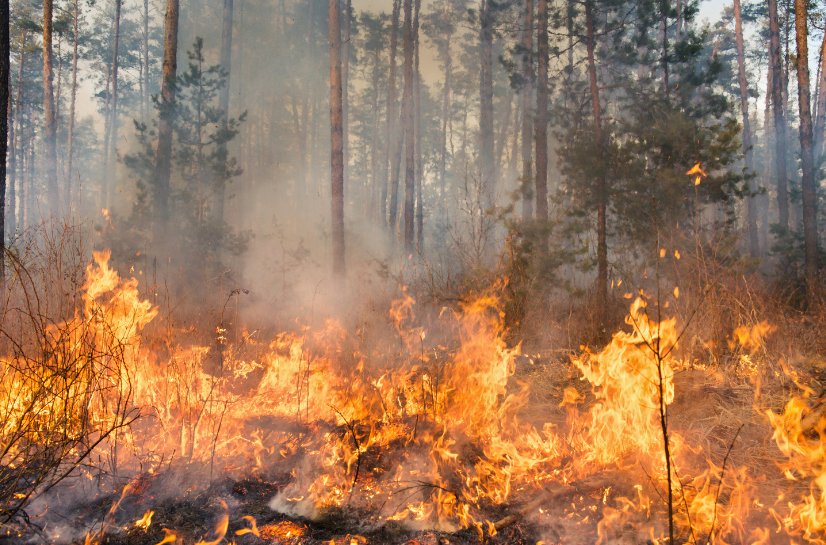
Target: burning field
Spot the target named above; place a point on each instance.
(440, 430)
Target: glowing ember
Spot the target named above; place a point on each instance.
(283, 532)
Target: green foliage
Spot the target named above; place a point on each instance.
(202, 167)
(651, 138)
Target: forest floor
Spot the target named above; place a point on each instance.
(715, 411)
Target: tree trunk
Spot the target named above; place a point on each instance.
(601, 182)
(418, 130)
(112, 154)
(163, 157)
(820, 119)
(806, 149)
(59, 77)
(5, 106)
(226, 65)
(11, 153)
(779, 120)
(336, 140)
(18, 148)
(407, 124)
(448, 61)
(751, 211)
(49, 122)
(527, 118)
(389, 208)
(486, 143)
(376, 209)
(664, 9)
(345, 86)
(147, 95)
(541, 127)
(70, 131)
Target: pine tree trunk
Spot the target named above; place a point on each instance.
(541, 127)
(486, 141)
(751, 210)
(820, 119)
(16, 165)
(336, 138)
(601, 182)
(226, 65)
(376, 208)
(664, 9)
(779, 119)
(112, 155)
(70, 131)
(502, 137)
(809, 188)
(9, 211)
(49, 121)
(390, 187)
(147, 95)
(409, 137)
(59, 78)
(345, 86)
(5, 106)
(527, 118)
(448, 61)
(163, 157)
(418, 130)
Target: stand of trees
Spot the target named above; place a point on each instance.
(560, 129)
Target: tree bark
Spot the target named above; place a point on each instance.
(146, 98)
(601, 182)
(527, 118)
(226, 66)
(751, 210)
(820, 119)
(112, 144)
(376, 209)
(5, 106)
(70, 131)
(163, 157)
(448, 62)
(17, 149)
(541, 127)
(49, 121)
(779, 119)
(336, 140)
(418, 130)
(409, 137)
(806, 147)
(664, 9)
(345, 87)
(390, 187)
(486, 140)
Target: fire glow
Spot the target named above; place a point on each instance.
(436, 438)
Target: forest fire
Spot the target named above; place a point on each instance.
(427, 436)
(412, 272)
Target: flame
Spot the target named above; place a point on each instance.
(752, 338)
(144, 522)
(800, 434)
(625, 378)
(253, 529)
(698, 173)
(429, 429)
(168, 537)
(221, 527)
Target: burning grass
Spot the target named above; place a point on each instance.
(427, 435)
